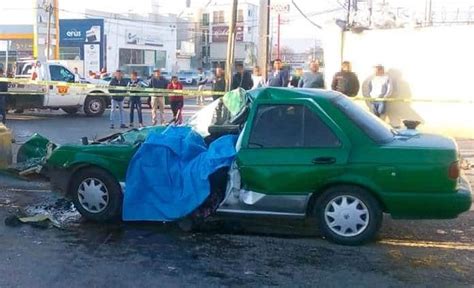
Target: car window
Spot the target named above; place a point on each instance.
(59, 73)
(379, 131)
(285, 126)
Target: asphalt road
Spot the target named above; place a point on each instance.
(226, 252)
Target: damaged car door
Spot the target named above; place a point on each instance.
(290, 149)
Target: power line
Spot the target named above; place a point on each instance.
(304, 15)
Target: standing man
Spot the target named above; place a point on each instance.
(346, 81)
(295, 78)
(202, 80)
(3, 97)
(218, 84)
(117, 100)
(176, 101)
(77, 76)
(279, 77)
(257, 78)
(135, 101)
(380, 86)
(241, 78)
(313, 78)
(158, 102)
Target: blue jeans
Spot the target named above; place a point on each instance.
(113, 106)
(135, 103)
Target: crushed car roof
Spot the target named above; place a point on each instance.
(285, 93)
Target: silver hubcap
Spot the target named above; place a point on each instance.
(94, 106)
(346, 216)
(93, 195)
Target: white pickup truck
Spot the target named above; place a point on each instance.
(71, 99)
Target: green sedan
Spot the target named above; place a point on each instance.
(301, 153)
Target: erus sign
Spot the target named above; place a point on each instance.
(73, 33)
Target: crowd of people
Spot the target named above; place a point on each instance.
(344, 81)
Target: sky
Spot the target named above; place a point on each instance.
(296, 30)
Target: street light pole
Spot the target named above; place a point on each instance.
(49, 9)
(230, 46)
(264, 28)
(278, 36)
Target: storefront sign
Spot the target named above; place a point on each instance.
(81, 30)
(137, 37)
(219, 33)
(91, 57)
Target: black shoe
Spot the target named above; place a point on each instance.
(112, 126)
(131, 125)
(123, 126)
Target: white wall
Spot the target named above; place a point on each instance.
(115, 31)
(432, 63)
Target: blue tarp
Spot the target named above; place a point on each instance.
(167, 178)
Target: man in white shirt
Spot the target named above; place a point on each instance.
(380, 86)
(77, 76)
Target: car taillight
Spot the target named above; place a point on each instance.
(454, 170)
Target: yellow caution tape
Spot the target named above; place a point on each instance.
(128, 91)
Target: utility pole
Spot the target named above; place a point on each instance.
(230, 46)
(348, 13)
(49, 9)
(278, 35)
(263, 30)
(428, 15)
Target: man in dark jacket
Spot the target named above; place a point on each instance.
(218, 84)
(279, 77)
(3, 97)
(346, 81)
(241, 78)
(135, 101)
(117, 100)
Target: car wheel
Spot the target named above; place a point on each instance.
(70, 110)
(348, 215)
(94, 106)
(96, 195)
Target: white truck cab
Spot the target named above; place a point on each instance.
(69, 98)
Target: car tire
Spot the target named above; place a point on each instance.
(70, 110)
(355, 209)
(84, 188)
(94, 106)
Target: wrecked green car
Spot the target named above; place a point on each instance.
(301, 153)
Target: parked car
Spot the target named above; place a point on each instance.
(188, 77)
(304, 153)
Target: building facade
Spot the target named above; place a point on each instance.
(214, 24)
(82, 39)
(115, 41)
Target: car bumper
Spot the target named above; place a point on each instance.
(430, 205)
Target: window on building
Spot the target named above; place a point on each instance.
(203, 36)
(70, 53)
(249, 13)
(60, 73)
(249, 29)
(160, 61)
(205, 19)
(285, 126)
(240, 15)
(204, 51)
(218, 17)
